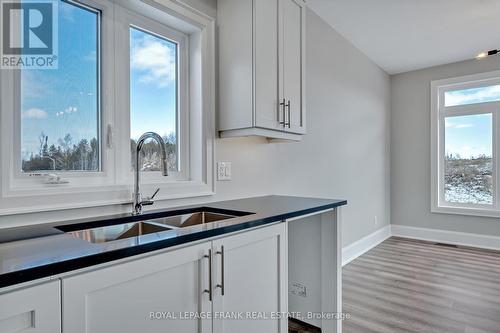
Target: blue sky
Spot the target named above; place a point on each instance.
(152, 84)
(472, 96)
(469, 136)
(63, 101)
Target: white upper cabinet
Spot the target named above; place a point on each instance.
(261, 68)
(292, 65)
(266, 59)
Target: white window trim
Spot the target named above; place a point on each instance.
(438, 113)
(115, 188)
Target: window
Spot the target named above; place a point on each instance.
(153, 96)
(158, 94)
(124, 68)
(465, 123)
(60, 111)
(468, 159)
(472, 96)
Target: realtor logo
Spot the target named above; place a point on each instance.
(29, 34)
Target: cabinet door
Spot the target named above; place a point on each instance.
(251, 271)
(293, 63)
(236, 103)
(146, 295)
(268, 112)
(34, 309)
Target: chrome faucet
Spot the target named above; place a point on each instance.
(147, 201)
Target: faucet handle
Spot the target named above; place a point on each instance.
(154, 194)
(148, 201)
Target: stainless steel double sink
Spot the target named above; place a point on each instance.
(148, 225)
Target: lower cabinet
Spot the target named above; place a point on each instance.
(144, 295)
(233, 284)
(252, 279)
(35, 309)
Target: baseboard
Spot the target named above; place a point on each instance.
(449, 237)
(351, 252)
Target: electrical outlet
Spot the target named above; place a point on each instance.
(223, 170)
(298, 289)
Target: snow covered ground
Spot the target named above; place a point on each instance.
(469, 181)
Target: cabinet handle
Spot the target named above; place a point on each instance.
(222, 284)
(282, 104)
(289, 114)
(209, 290)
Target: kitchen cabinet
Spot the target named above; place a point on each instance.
(252, 275)
(262, 68)
(292, 64)
(145, 295)
(36, 309)
(230, 275)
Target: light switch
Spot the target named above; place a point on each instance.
(223, 170)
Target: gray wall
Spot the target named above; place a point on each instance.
(345, 154)
(346, 151)
(410, 150)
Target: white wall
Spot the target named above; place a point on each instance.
(410, 150)
(304, 266)
(345, 154)
(208, 7)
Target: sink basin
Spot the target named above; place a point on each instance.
(116, 232)
(187, 220)
(133, 226)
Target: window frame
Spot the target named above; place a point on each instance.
(129, 19)
(439, 113)
(113, 186)
(18, 181)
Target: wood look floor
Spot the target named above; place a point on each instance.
(299, 327)
(411, 286)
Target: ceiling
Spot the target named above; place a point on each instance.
(404, 35)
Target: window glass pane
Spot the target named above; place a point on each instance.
(59, 107)
(472, 96)
(153, 96)
(468, 160)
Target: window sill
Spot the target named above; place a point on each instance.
(27, 201)
(478, 212)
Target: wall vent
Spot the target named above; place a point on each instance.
(446, 245)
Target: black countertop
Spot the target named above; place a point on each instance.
(33, 252)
